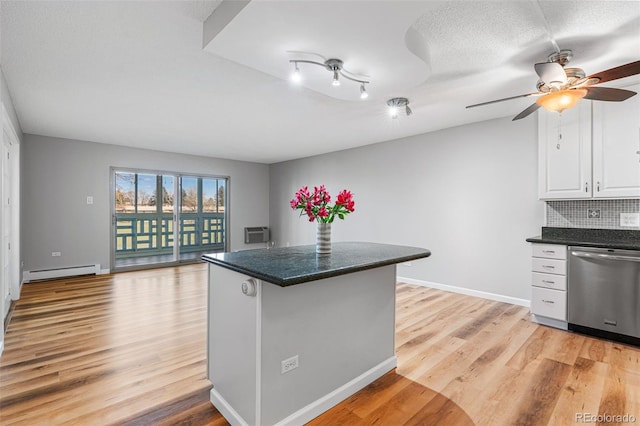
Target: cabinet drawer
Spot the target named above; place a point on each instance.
(549, 303)
(550, 251)
(549, 266)
(556, 282)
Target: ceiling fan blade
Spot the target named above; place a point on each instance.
(551, 72)
(622, 71)
(608, 94)
(503, 99)
(532, 108)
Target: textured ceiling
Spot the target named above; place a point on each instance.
(136, 73)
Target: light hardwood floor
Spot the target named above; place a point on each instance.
(130, 349)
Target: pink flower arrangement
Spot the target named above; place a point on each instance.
(316, 205)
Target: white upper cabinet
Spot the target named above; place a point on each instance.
(564, 153)
(616, 147)
(590, 151)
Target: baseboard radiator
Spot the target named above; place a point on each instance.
(47, 274)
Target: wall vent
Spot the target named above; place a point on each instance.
(47, 274)
(256, 234)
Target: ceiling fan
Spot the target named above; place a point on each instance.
(561, 88)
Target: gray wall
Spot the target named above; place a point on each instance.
(467, 193)
(58, 175)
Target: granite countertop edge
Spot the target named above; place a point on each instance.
(314, 276)
(604, 238)
(318, 274)
(572, 242)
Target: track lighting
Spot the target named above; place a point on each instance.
(395, 105)
(336, 66)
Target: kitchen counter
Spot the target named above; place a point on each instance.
(606, 238)
(292, 333)
(295, 265)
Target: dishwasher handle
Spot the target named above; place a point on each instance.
(606, 256)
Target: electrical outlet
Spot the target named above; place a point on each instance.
(56, 254)
(289, 364)
(630, 219)
(593, 213)
(89, 200)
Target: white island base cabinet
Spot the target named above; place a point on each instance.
(334, 336)
(549, 285)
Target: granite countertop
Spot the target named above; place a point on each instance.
(287, 266)
(607, 238)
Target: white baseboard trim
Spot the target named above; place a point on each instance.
(104, 271)
(317, 407)
(467, 291)
(551, 322)
(226, 409)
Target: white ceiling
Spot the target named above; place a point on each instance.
(136, 73)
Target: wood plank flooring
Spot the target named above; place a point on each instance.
(129, 349)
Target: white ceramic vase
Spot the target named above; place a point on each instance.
(323, 238)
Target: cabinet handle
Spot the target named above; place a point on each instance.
(586, 187)
(549, 251)
(549, 266)
(598, 186)
(548, 282)
(548, 301)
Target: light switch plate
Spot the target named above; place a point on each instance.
(630, 219)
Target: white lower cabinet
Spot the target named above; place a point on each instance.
(549, 285)
(549, 303)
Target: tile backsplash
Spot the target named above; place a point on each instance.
(577, 213)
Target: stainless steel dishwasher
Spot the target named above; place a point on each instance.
(604, 293)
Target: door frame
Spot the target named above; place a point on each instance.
(15, 266)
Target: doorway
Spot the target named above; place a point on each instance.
(166, 218)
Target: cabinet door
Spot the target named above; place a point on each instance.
(616, 147)
(564, 153)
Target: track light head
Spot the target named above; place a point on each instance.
(395, 104)
(295, 76)
(363, 92)
(336, 81)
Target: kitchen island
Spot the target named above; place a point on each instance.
(292, 333)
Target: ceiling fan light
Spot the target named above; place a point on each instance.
(561, 100)
(393, 112)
